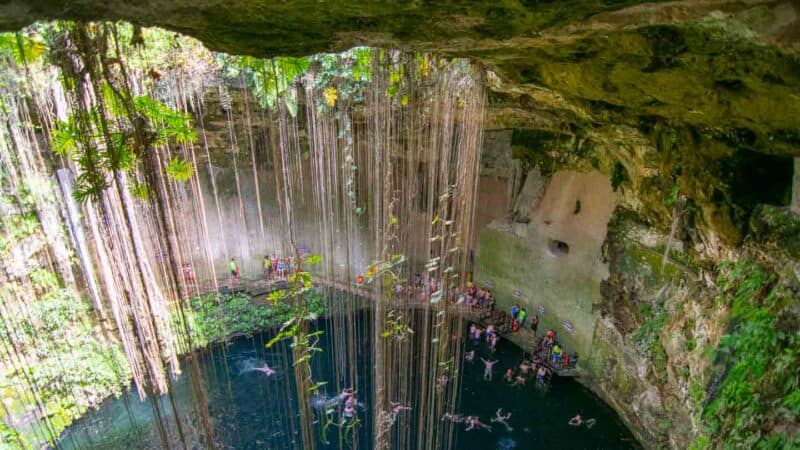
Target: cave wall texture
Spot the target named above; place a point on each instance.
(688, 111)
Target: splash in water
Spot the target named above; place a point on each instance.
(256, 365)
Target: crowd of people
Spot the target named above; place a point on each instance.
(538, 368)
(549, 356)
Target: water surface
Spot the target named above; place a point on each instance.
(250, 410)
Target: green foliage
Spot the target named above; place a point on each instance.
(139, 190)
(72, 368)
(215, 317)
(44, 279)
(396, 326)
(647, 335)
(759, 362)
(16, 227)
(65, 137)
(338, 77)
(180, 170)
(314, 259)
(304, 343)
(166, 123)
(23, 49)
(269, 79)
(673, 196)
(79, 138)
(9, 438)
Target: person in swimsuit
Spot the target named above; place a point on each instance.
(473, 422)
(503, 419)
(576, 421)
(487, 371)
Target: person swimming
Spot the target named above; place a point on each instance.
(443, 380)
(576, 421)
(469, 356)
(349, 411)
(350, 404)
(509, 376)
(475, 333)
(519, 381)
(500, 418)
(397, 408)
(541, 373)
(473, 422)
(455, 418)
(487, 371)
(493, 341)
(266, 370)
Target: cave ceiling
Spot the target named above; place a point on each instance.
(728, 70)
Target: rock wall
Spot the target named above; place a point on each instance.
(640, 283)
(796, 187)
(550, 264)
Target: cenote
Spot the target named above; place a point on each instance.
(251, 410)
(284, 225)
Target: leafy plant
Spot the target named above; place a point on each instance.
(758, 360)
(180, 170)
(23, 49)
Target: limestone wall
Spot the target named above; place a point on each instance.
(552, 265)
(796, 187)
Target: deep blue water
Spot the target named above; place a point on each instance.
(250, 410)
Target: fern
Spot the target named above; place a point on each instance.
(180, 170)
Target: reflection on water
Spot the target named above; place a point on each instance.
(252, 405)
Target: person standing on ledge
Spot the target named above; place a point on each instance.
(234, 270)
(521, 317)
(267, 267)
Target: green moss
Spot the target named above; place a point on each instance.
(550, 150)
(742, 410)
(684, 74)
(621, 380)
(648, 265)
(777, 227)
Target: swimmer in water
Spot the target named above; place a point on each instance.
(576, 421)
(475, 332)
(590, 423)
(540, 374)
(349, 412)
(500, 418)
(519, 381)
(487, 371)
(443, 380)
(350, 403)
(493, 342)
(397, 408)
(266, 370)
(455, 418)
(473, 421)
(509, 376)
(469, 356)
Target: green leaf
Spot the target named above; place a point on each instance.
(180, 170)
(314, 259)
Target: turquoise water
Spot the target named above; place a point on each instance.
(250, 410)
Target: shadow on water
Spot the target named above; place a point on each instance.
(255, 408)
